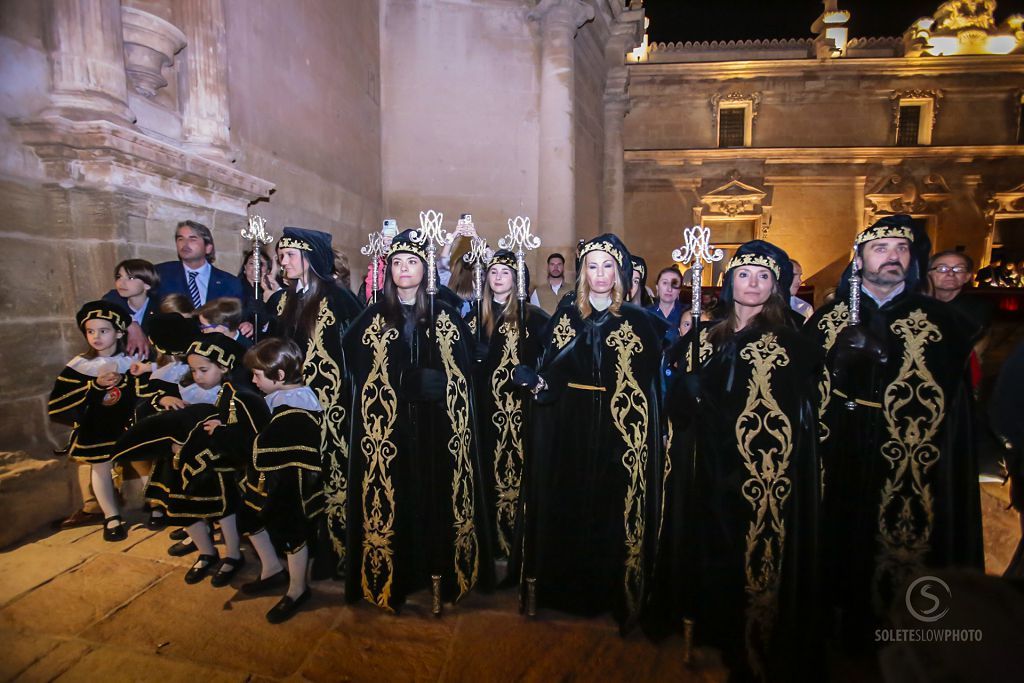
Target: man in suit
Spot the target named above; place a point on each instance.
(193, 275)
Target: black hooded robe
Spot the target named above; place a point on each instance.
(502, 418)
(324, 373)
(900, 473)
(739, 552)
(592, 489)
(416, 508)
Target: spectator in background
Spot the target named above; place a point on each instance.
(548, 295)
(795, 302)
(668, 307)
(949, 272)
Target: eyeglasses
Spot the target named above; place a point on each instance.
(958, 270)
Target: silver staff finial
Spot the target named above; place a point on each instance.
(697, 250)
(519, 240)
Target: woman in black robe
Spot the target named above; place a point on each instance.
(314, 312)
(592, 490)
(738, 553)
(499, 401)
(416, 517)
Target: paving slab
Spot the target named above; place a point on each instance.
(73, 601)
(120, 664)
(216, 627)
(27, 566)
(368, 644)
(19, 651)
(57, 661)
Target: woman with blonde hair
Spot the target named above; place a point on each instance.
(591, 498)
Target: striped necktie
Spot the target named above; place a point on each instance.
(193, 289)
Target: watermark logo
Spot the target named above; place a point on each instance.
(926, 598)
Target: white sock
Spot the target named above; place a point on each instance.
(103, 488)
(270, 563)
(232, 539)
(201, 537)
(298, 562)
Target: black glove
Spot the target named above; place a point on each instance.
(525, 376)
(422, 384)
(857, 342)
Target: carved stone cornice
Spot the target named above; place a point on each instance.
(906, 193)
(1009, 203)
(103, 154)
(567, 15)
(963, 154)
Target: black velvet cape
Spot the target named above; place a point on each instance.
(591, 500)
(739, 552)
(324, 373)
(97, 416)
(503, 418)
(901, 492)
(417, 506)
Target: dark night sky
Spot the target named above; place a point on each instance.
(675, 20)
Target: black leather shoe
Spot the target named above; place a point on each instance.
(202, 568)
(273, 581)
(286, 607)
(182, 548)
(226, 571)
(156, 522)
(117, 532)
(179, 534)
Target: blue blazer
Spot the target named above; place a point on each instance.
(222, 283)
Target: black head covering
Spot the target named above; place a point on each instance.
(404, 244)
(115, 314)
(172, 333)
(766, 255)
(317, 247)
(639, 266)
(896, 225)
(612, 245)
(220, 348)
(505, 257)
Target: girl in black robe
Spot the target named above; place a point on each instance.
(499, 401)
(592, 491)
(314, 312)
(95, 395)
(417, 509)
(739, 549)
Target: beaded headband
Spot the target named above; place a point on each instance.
(408, 248)
(604, 246)
(882, 231)
(754, 260)
(292, 243)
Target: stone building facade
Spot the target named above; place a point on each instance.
(119, 118)
(805, 142)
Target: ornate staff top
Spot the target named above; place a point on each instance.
(430, 235)
(256, 232)
(697, 250)
(374, 248)
(854, 294)
(519, 240)
(479, 255)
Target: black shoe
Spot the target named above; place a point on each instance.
(203, 567)
(263, 585)
(182, 548)
(156, 522)
(115, 533)
(226, 571)
(286, 607)
(179, 534)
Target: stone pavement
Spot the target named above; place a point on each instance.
(74, 608)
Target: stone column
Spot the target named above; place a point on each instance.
(626, 33)
(559, 20)
(205, 116)
(87, 61)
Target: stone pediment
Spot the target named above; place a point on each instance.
(734, 198)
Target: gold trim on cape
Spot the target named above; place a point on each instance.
(508, 450)
(628, 406)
